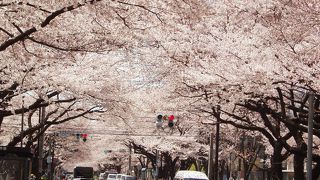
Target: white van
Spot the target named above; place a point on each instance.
(190, 175)
(127, 177)
(118, 177)
(102, 176)
(112, 177)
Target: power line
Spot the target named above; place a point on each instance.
(110, 133)
(67, 131)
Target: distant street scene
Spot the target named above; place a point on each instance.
(160, 90)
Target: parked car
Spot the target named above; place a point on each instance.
(83, 173)
(69, 176)
(190, 175)
(112, 177)
(103, 176)
(128, 177)
(119, 176)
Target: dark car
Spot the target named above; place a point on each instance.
(83, 173)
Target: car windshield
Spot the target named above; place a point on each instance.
(112, 176)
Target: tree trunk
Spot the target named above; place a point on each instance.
(276, 162)
(245, 169)
(1, 119)
(316, 171)
(222, 169)
(298, 160)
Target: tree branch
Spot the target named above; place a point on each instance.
(143, 7)
(53, 15)
(7, 32)
(44, 125)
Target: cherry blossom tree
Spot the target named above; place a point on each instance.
(226, 50)
(46, 46)
(279, 118)
(247, 47)
(294, 125)
(168, 163)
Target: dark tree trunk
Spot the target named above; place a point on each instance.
(245, 169)
(276, 162)
(17, 139)
(316, 171)
(171, 164)
(183, 164)
(1, 119)
(298, 160)
(222, 169)
(228, 171)
(205, 165)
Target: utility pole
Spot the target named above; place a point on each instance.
(216, 166)
(22, 121)
(49, 159)
(210, 159)
(157, 165)
(130, 152)
(42, 113)
(53, 164)
(241, 161)
(310, 135)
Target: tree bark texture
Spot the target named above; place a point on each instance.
(316, 171)
(276, 162)
(298, 160)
